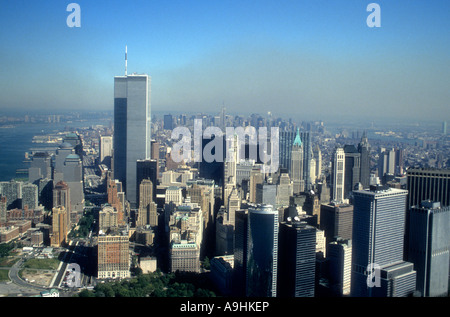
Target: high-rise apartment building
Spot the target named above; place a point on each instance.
(61, 198)
(262, 252)
(429, 243)
(132, 130)
(59, 227)
(30, 196)
(377, 238)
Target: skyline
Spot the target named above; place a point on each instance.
(311, 59)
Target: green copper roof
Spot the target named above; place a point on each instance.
(297, 140)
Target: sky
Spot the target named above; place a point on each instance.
(311, 59)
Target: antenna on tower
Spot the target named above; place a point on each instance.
(126, 60)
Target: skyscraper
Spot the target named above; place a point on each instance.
(364, 151)
(352, 169)
(146, 169)
(378, 232)
(262, 252)
(425, 184)
(106, 149)
(336, 219)
(428, 184)
(132, 118)
(286, 142)
(240, 252)
(318, 157)
(297, 162)
(338, 174)
(40, 167)
(429, 242)
(297, 259)
(30, 196)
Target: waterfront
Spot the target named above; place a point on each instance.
(16, 139)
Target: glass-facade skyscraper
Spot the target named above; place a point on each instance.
(262, 251)
(429, 242)
(378, 232)
(297, 259)
(132, 129)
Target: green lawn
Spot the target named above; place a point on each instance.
(4, 275)
(42, 264)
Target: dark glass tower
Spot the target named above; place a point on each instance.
(429, 245)
(296, 260)
(364, 151)
(132, 139)
(262, 252)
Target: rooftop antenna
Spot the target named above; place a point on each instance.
(126, 60)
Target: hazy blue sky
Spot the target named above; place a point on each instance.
(311, 58)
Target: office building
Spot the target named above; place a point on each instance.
(425, 184)
(364, 151)
(132, 119)
(352, 169)
(262, 252)
(296, 259)
(266, 194)
(297, 162)
(240, 253)
(256, 177)
(339, 255)
(429, 242)
(113, 255)
(185, 238)
(107, 219)
(336, 219)
(338, 175)
(106, 150)
(428, 184)
(317, 154)
(40, 167)
(286, 143)
(284, 190)
(168, 122)
(72, 171)
(377, 238)
(147, 169)
(147, 214)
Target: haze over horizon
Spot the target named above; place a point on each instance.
(314, 59)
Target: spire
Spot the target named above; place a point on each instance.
(297, 140)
